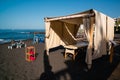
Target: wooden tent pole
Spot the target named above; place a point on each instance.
(111, 53)
(91, 31)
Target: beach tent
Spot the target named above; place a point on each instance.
(99, 29)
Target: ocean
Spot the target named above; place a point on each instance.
(6, 35)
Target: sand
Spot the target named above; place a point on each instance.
(13, 65)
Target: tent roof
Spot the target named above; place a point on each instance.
(77, 15)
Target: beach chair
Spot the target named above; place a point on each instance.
(18, 44)
(21, 44)
(12, 46)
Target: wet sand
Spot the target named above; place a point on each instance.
(13, 65)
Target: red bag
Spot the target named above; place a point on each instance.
(32, 58)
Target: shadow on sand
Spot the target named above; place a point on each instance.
(76, 70)
(48, 74)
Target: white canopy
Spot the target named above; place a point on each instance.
(99, 30)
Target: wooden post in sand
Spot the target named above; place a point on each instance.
(111, 53)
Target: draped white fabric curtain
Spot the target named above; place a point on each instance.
(47, 29)
(103, 30)
(51, 37)
(71, 34)
(87, 26)
(100, 35)
(110, 28)
(86, 23)
(47, 35)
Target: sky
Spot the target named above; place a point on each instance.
(30, 14)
